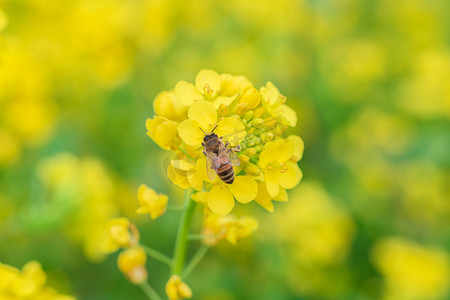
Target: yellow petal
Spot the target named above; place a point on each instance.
(223, 100)
(266, 156)
(263, 198)
(162, 131)
(282, 196)
(232, 85)
(190, 133)
(186, 93)
(284, 149)
(198, 175)
(244, 189)
(232, 130)
(204, 113)
(272, 185)
(220, 200)
(250, 97)
(288, 115)
(270, 93)
(178, 177)
(207, 79)
(291, 177)
(167, 105)
(299, 147)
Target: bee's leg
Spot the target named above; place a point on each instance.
(237, 148)
(227, 143)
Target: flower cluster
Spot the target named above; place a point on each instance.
(241, 115)
(28, 283)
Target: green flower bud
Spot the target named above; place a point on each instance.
(252, 169)
(257, 122)
(250, 152)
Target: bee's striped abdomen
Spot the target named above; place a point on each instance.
(226, 173)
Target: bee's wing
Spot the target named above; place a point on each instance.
(210, 171)
(234, 159)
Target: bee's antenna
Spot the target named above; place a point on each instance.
(214, 128)
(202, 130)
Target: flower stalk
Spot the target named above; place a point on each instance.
(182, 235)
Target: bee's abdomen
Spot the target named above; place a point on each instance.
(226, 173)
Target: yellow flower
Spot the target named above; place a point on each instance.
(202, 118)
(131, 263)
(151, 203)
(280, 170)
(168, 106)
(232, 85)
(163, 132)
(119, 235)
(412, 271)
(220, 198)
(265, 199)
(28, 283)
(207, 85)
(275, 104)
(185, 173)
(230, 228)
(177, 289)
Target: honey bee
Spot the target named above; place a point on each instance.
(219, 158)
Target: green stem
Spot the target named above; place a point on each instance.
(195, 260)
(149, 291)
(157, 255)
(176, 207)
(182, 235)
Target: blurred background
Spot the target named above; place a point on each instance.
(370, 81)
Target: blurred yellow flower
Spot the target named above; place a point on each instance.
(412, 271)
(229, 228)
(131, 263)
(177, 289)
(28, 283)
(151, 202)
(3, 19)
(120, 232)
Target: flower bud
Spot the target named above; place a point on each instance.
(222, 110)
(249, 115)
(177, 289)
(151, 202)
(267, 137)
(244, 159)
(250, 152)
(131, 263)
(259, 112)
(162, 131)
(257, 122)
(120, 232)
(252, 169)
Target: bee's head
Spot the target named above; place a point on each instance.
(209, 136)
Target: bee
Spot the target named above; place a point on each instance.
(219, 158)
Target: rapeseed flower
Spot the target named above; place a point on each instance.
(151, 202)
(131, 263)
(28, 283)
(241, 115)
(120, 232)
(177, 289)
